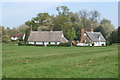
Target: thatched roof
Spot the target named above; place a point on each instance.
(94, 37)
(47, 36)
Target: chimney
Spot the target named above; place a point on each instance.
(91, 30)
(82, 35)
(51, 27)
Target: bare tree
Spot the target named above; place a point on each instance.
(83, 17)
(94, 16)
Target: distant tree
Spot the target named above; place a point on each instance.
(0, 34)
(41, 17)
(6, 38)
(43, 28)
(27, 33)
(62, 10)
(102, 30)
(83, 17)
(113, 38)
(108, 27)
(28, 23)
(94, 16)
(71, 34)
(118, 34)
(22, 28)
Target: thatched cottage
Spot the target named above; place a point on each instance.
(18, 36)
(91, 38)
(46, 37)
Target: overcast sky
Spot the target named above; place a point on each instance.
(17, 13)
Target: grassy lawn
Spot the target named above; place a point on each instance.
(59, 62)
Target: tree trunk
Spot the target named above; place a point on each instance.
(71, 43)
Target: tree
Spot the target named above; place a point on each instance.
(108, 27)
(113, 38)
(27, 32)
(6, 38)
(71, 34)
(5, 35)
(62, 10)
(94, 16)
(118, 34)
(41, 19)
(83, 17)
(22, 28)
(102, 30)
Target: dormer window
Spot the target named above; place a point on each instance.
(99, 37)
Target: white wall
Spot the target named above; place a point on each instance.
(39, 43)
(52, 42)
(30, 42)
(96, 43)
(99, 43)
(45, 43)
(14, 38)
(103, 43)
(58, 43)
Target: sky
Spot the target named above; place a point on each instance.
(17, 13)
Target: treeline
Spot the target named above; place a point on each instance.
(69, 22)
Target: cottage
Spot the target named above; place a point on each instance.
(91, 38)
(46, 37)
(18, 36)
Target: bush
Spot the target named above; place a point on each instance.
(52, 45)
(20, 43)
(26, 44)
(64, 44)
(108, 43)
(115, 44)
(6, 38)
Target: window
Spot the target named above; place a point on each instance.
(49, 43)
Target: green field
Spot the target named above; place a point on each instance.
(59, 62)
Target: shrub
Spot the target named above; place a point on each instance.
(20, 43)
(52, 45)
(64, 44)
(26, 44)
(6, 38)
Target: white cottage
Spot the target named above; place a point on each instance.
(46, 37)
(91, 38)
(18, 36)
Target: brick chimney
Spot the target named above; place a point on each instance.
(51, 27)
(91, 30)
(82, 35)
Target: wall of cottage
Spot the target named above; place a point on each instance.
(90, 44)
(99, 43)
(43, 43)
(14, 38)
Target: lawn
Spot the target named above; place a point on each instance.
(59, 62)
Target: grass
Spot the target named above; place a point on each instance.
(59, 62)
